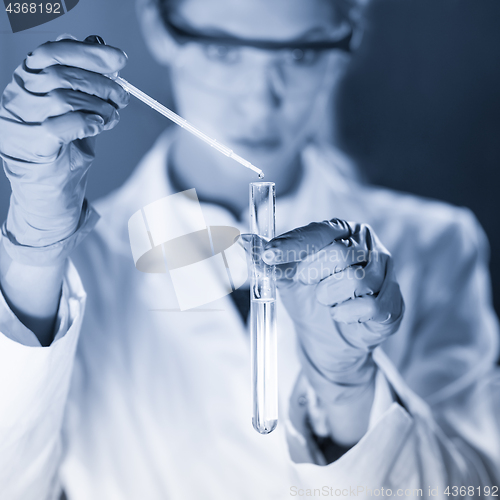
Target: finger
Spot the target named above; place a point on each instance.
(368, 309)
(349, 284)
(382, 311)
(89, 56)
(40, 143)
(245, 240)
(253, 244)
(331, 260)
(360, 310)
(285, 274)
(31, 108)
(76, 125)
(297, 244)
(390, 302)
(66, 77)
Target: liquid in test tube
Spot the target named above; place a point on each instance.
(263, 336)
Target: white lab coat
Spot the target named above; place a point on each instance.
(134, 402)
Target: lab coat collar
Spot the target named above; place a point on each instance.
(326, 172)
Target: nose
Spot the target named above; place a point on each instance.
(264, 88)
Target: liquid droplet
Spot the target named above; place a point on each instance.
(261, 175)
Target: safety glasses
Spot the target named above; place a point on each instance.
(185, 34)
(232, 65)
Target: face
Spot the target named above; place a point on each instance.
(260, 103)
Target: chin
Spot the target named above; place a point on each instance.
(273, 162)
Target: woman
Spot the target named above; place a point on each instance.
(151, 403)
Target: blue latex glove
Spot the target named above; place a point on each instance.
(337, 282)
(57, 102)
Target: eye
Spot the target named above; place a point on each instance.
(302, 57)
(222, 53)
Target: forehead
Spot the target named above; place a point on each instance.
(267, 19)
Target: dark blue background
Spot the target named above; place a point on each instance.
(70, 4)
(420, 107)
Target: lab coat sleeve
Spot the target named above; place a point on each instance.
(34, 383)
(443, 431)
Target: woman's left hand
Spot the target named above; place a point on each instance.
(337, 282)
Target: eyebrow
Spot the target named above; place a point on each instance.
(221, 37)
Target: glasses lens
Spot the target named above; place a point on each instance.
(237, 70)
(236, 66)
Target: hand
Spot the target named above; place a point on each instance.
(57, 102)
(337, 282)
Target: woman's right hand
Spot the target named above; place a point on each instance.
(58, 101)
(60, 94)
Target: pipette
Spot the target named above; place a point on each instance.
(168, 113)
(163, 110)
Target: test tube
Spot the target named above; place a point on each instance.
(263, 338)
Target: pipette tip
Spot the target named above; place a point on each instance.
(160, 108)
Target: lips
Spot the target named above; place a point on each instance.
(262, 144)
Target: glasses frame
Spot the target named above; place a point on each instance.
(183, 35)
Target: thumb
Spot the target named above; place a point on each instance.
(75, 125)
(298, 244)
